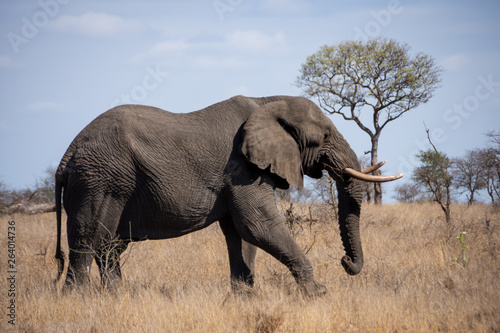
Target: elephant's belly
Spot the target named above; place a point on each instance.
(161, 229)
(170, 218)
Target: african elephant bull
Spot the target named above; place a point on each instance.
(138, 172)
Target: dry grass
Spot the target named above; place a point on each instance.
(414, 280)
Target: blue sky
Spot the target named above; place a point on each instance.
(63, 62)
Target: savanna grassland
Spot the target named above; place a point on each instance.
(418, 277)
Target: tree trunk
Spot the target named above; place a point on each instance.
(447, 212)
(447, 216)
(471, 198)
(377, 187)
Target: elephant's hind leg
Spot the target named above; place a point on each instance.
(79, 267)
(91, 234)
(108, 260)
(80, 254)
(241, 256)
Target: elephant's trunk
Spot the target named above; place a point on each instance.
(349, 211)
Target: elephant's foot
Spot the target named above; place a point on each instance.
(71, 286)
(241, 288)
(112, 285)
(76, 280)
(312, 289)
(307, 284)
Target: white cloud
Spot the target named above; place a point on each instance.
(96, 25)
(285, 6)
(252, 40)
(240, 90)
(203, 54)
(44, 106)
(168, 47)
(226, 63)
(162, 50)
(456, 62)
(6, 62)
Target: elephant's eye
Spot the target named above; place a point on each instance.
(326, 136)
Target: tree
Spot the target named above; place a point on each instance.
(368, 193)
(32, 199)
(294, 195)
(436, 176)
(5, 196)
(378, 76)
(326, 190)
(470, 174)
(490, 159)
(491, 174)
(408, 192)
(45, 187)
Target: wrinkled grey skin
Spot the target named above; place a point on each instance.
(138, 172)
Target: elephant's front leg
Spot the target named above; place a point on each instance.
(241, 256)
(258, 221)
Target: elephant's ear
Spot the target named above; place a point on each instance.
(266, 143)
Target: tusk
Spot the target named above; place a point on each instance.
(370, 178)
(373, 167)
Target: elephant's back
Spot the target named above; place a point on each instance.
(115, 128)
(220, 121)
(132, 137)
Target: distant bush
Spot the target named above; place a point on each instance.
(440, 178)
(30, 200)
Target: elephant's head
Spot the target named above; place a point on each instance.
(290, 137)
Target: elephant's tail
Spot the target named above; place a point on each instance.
(59, 252)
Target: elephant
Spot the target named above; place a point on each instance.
(139, 172)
